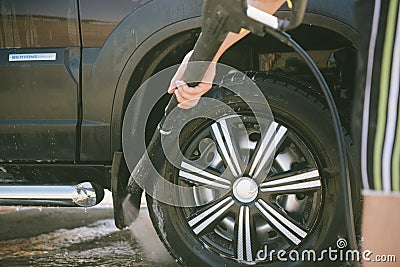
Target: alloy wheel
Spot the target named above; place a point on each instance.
(252, 190)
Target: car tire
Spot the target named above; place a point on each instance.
(309, 218)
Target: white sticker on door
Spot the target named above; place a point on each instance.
(32, 57)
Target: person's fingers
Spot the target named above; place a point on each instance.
(181, 87)
(183, 102)
(183, 97)
(178, 75)
(171, 88)
(194, 92)
(191, 92)
(187, 96)
(179, 97)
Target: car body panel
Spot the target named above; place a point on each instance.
(38, 98)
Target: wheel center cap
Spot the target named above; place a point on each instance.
(245, 189)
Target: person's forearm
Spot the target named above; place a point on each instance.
(230, 40)
(269, 6)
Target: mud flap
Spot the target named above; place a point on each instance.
(126, 205)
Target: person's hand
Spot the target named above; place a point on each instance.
(189, 96)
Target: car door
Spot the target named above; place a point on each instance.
(39, 80)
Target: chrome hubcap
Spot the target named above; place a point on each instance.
(252, 189)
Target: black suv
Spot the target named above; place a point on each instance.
(68, 70)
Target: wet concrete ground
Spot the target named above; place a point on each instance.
(75, 237)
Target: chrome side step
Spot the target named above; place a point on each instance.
(81, 195)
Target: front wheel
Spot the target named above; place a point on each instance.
(297, 206)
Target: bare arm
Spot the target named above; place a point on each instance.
(189, 96)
